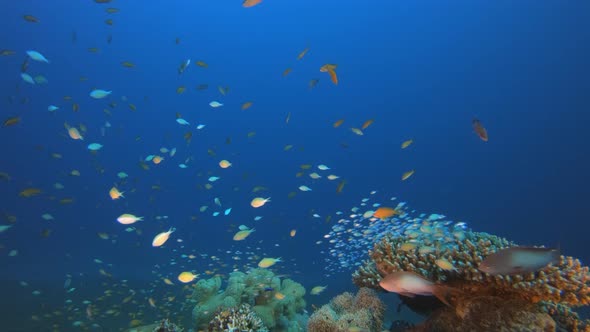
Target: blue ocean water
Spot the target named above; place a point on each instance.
(421, 70)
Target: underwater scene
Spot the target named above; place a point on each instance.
(312, 165)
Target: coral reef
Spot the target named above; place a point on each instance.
(163, 326)
(278, 302)
(240, 318)
(167, 326)
(566, 318)
(345, 312)
(489, 313)
(565, 282)
(453, 260)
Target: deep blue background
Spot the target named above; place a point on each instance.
(422, 70)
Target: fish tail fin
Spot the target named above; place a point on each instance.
(446, 294)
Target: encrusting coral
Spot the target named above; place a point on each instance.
(345, 312)
(454, 260)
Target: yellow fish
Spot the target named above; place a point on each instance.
(407, 143)
(161, 238)
(29, 192)
(317, 290)
(243, 234)
(259, 201)
(268, 262)
(186, 277)
(407, 174)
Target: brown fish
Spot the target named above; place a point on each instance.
(480, 130)
(313, 83)
(11, 121)
(518, 260)
(31, 18)
(302, 54)
(7, 52)
(330, 69)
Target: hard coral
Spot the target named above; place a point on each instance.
(367, 299)
(240, 319)
(345, 312)
(166, 326)
(565, 282)
(566, 318)
(490, 313)
(342, 303)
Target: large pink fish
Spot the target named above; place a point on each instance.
(517, 260)
(410, 284)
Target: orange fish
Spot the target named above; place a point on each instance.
(480, 130)
(115, 193)
(286, 72)
(250, 3)
(367, 124)
(75, 134)
(330, 69)
(157, 159)
(384, 212)
(338, 123)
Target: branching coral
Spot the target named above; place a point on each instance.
(240, 318)
(346, 312)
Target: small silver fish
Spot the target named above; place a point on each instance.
(518, 260)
